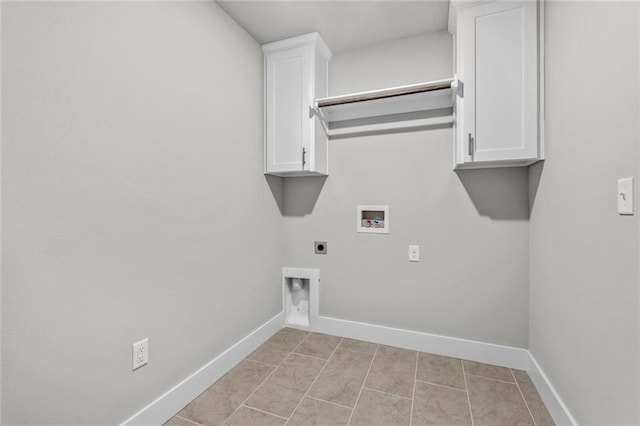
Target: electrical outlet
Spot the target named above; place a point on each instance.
(320, 247)
(140, 353)
(414, 253)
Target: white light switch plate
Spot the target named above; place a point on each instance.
(625, 196)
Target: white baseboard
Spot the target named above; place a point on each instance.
(489, 353)
(505, 356)
(557, 409)
(167, 405)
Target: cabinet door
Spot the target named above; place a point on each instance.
(288, 98)
(500, 75)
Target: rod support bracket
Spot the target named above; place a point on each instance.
(458, 87)
(315, 111)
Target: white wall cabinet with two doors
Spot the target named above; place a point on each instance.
(497, 59)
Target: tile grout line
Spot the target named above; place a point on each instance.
(491, 378)
(314, 381)
(413, 394)
(263, 363)
(363, 383)
(442, 386)
(466, 386)
(356, 351)
(187, 420)
(328, 402)
(266, 378)
(263, 411)
(386, 393)
(526, 404)
(310, 356)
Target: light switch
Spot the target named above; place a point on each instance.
(625, 196)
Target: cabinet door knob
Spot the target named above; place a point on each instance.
(304, 154)
(471, 146)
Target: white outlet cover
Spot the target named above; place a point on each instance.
(414, 253)
(140, 354)
(625, 196)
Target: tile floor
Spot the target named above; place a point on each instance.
(300, 378)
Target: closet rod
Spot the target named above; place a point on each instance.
(385, 93)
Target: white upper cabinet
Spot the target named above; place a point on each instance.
(497, 61)
(296, 72)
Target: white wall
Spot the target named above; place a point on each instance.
(584, 256)
(471, 227)
(134, 202)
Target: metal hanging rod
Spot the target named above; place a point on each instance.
(385, 93)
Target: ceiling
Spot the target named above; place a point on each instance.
(343, 24)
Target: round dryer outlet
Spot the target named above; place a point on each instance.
(321, 247)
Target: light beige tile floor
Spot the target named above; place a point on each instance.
(300, 378)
